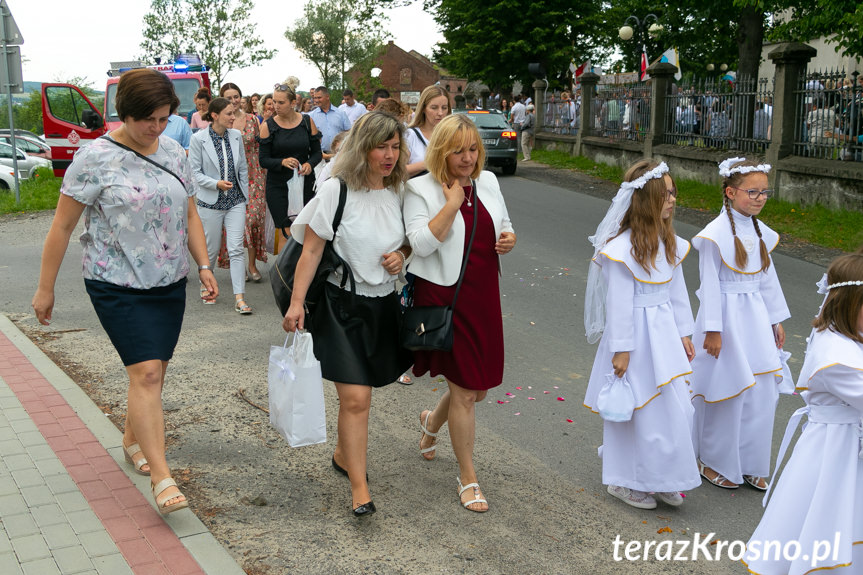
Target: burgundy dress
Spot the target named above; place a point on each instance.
(476, 359)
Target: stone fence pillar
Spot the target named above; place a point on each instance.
(539, 87)
(589, 80)
(661, 75)
(790, 60)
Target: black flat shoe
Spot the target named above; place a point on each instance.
(344, 471)
(365, 509)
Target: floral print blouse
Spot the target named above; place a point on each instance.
(135, 220)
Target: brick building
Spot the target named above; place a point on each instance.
(406, 74)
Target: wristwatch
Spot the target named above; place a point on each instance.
(204, 268)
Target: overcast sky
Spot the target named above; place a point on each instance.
(69, 38)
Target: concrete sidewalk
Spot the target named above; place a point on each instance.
(68, 501)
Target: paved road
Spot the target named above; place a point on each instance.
(540, 472)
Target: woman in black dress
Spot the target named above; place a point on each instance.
(289, 140)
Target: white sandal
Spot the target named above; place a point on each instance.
(476, 496)
(424, 427)
(132, 450)
(719, 481)
(161, 501)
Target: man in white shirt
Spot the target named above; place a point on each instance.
(350, 107)
(517, 118)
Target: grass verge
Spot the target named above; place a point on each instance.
(840, 229)
(39, 193)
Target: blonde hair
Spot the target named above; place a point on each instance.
(841, 309)
(644, 218)
(454, 133)
(262, 102)
(429, 94)
(741, 258)
(368, 132)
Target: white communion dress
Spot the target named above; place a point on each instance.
(647, 313)
(735, 395)
(819, 497)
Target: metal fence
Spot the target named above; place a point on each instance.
(561, 113)
(828, 122)
(621, 111)
(720, 115)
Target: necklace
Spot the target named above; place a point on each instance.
(469, 196)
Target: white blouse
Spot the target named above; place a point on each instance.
(371, 226)
(417, 145)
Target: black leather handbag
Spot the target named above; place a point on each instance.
(283, 271)
(430, 328)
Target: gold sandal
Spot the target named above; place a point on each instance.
(132, 450)
(161, 502)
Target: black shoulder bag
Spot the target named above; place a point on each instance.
(430, 328)
(283, 271)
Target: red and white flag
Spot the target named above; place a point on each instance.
(585, 67)
(644, 75)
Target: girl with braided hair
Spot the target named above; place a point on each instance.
(737, 368)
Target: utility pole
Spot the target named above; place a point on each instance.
(12, 77)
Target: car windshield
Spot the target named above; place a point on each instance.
(489, 121)
(184, 87)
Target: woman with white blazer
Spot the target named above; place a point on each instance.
(218, 162)
(439, 210)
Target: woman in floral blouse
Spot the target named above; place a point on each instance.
(136, 192)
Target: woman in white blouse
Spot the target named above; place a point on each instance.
(358, 345)
(440, 209)
(432, 107)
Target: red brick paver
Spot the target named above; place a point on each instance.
(146, 542)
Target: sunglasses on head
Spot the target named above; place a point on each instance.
(282, 88)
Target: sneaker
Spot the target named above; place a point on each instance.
(633, 497)
(673, 498)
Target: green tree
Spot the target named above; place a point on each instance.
(334, 36)
(704, 32)
(222, 33)
(804, 20)
(495, 41)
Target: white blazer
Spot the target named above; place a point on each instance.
(433, 260)
(205, 164)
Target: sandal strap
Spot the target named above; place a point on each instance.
(423, 425)
(463, 488)
(131, 450)
(162, 486)
(429, 449)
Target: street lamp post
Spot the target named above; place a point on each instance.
(647, 26)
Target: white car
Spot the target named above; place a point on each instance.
(27, 165)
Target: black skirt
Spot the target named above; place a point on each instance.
(142, 324)
(357, 337)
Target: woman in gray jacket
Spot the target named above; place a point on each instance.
(218, 162)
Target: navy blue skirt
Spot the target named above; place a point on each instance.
(142, 324)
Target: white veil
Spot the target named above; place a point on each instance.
(594, 296)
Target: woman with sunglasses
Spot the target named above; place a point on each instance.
(289, 141)
(737, 368)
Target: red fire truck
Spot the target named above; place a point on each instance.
(71, 120)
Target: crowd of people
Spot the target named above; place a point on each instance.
(405, 199)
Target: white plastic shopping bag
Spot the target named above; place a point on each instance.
(270, 233)
(786, 383)
(297, 392)
(616, 401)
(295, 194)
